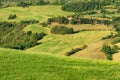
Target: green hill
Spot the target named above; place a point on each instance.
(41, 13)
(23, 65)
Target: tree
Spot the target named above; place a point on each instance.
(107, 50)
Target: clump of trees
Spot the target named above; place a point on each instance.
(13, 36)
(60, 20)
(62, 30)
(109, 51)
(12, 16)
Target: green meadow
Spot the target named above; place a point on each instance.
(41, 13)
(22, 65)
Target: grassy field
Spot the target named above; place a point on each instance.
(59, 44)
(41, 13)
(35, 28)
(22, 65)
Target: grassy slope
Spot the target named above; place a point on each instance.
(22, 65)
(63, 43)
(41, 13)
(35, 28)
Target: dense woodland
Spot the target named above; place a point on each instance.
(13, 36)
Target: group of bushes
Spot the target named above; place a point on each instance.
(62, 30)
(13, 36)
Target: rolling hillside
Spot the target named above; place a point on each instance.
(59, 40)
(26, 65)
(41, 13)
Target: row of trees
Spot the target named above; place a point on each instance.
(13, 36)
(78, 20)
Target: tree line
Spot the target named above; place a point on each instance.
(26, 3)
(78, 20)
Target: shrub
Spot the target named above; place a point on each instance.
(84, 46)
(12, 16)
(29, 32)
(62, 30)
(107, 50)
